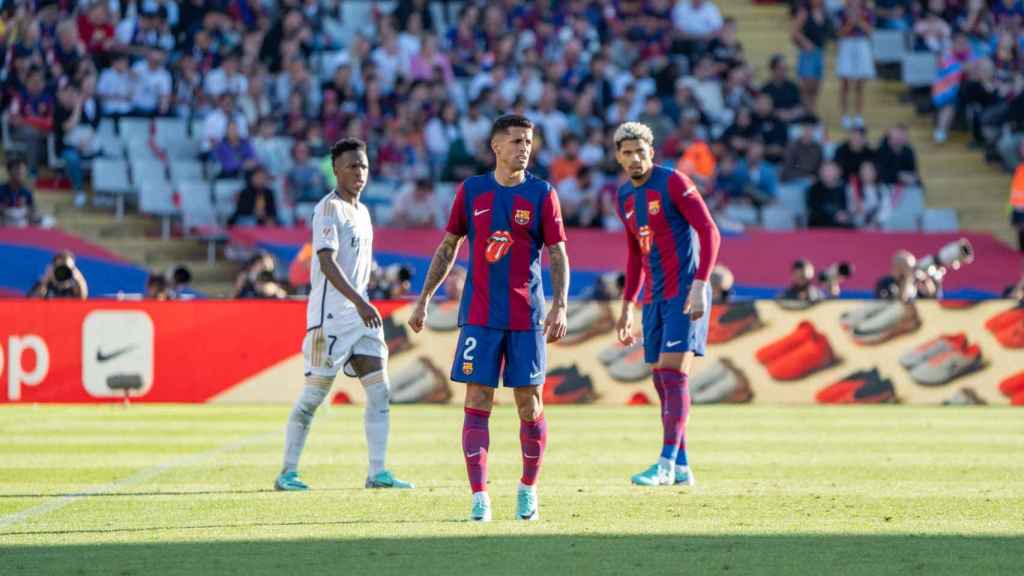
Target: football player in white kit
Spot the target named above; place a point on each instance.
(343, 329)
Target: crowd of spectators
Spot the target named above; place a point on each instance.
(271, 84)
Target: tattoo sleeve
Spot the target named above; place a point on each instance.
(440, 265)
(559, 273)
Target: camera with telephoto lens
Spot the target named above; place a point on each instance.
(62, 273)
(837, 272)
(265, 276)
(950, 257)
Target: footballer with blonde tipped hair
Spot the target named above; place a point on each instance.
(661, 209)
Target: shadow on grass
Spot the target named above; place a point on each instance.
(534, 554)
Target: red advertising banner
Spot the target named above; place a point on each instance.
(62, 351)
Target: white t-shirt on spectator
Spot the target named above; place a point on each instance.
(701, 21)
(388, 66)
(216, 126)
(413, 211)
(642, 87)
(709, 94)
(439, 137)
(218, 82)
(115, 91)
(475, 132)
(553, 122)
(150, 86)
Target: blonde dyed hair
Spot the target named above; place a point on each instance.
(633, 131)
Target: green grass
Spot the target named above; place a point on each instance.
(185, 490)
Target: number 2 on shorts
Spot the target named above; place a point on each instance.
(467, 352)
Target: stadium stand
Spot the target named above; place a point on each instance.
(422, 84)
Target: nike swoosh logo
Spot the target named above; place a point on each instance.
(629, 214)
(479, 212)
(530, 457)
(532, 376)
(477, 453)
(101, 357)
(672, 343)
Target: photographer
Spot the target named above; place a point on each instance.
(61, 280)
(721, 285)
(912, 278)
(256, 280)
(802, 288)
(907, 283)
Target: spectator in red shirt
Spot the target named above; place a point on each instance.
(96, 31)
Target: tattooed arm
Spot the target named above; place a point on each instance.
(440, 265)
(555, 325)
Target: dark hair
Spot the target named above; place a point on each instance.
(503, 123)
(13, 163)
(801, 264)
(346, 145)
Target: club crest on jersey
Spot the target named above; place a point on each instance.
(498, 245)
(467, 368)
(646, 238)
(653, 207)
(522, 217)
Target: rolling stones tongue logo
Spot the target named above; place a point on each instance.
(498, 245)
(646, 237)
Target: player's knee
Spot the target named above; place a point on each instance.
(529, 405)
(319, 381)
(479, 397)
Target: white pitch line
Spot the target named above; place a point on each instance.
(140, 477)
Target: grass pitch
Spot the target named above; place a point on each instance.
(186, 490)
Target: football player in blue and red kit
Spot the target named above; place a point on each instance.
(661, 210)
(508, 215)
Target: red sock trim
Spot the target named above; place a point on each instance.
(475, 412)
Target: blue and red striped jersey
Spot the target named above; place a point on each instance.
(506, 228)
(661, 217)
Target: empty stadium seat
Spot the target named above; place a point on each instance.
(225, 196)
(940, 220)
(743, 213)
(110, 176)
(183, 170)
(889, 46)
(156, 197)
(132, 129)
(198, 217)
(147, 170)
(109, 140)
(908, 206)
(778, 217)
(793, 196)
(919, 69)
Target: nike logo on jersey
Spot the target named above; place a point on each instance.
(629, 214)
(673, 343)
(101, 357)
(479, 212)
(536, 374)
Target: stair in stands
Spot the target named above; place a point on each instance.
(137, 238)
(955, 177)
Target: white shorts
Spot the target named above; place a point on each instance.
(855, 59)
(327, 349)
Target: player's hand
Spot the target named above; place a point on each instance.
(624, 327)
(556, 324)
(697, 301)
(368, 312)
(419, 317)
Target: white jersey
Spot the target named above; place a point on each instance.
(347, 230)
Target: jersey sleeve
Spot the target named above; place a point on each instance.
(325, 228)
(457, 224)
(691, 205)
(551, 226)
(634, 261)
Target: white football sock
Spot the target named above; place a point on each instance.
(298, 424)
(376, 419)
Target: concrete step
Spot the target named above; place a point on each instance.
(148, 250)
(214, 289)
